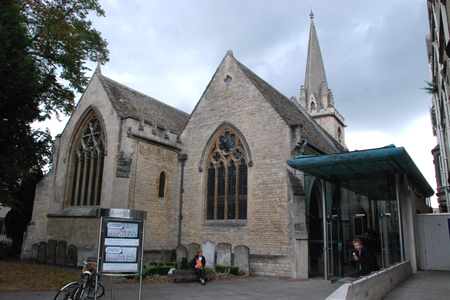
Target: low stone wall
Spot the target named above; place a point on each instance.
(178, 275)
(374, 286)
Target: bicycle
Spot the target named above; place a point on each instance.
(84, 289)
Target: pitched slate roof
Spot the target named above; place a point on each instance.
(293, 114)
(133, 104)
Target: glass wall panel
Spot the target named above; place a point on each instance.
(349, 215)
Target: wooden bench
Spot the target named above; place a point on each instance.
(190, 275)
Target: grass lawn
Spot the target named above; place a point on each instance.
(17, 276)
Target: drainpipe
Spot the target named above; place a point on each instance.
(182, 158)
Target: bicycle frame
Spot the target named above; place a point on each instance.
(81, 290)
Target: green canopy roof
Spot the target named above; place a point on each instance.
(363, 171)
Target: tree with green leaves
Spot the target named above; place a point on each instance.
(62, 40)
(44, 47)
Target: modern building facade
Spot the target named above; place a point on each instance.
(438, 48)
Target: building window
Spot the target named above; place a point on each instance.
(87, 164)
(226, 187)
(228, 80)
(313, 106)
(162, 185)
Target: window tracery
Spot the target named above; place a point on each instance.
(226, 187)
(87, 165)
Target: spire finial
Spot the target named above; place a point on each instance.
(98, 69)
(311, 15)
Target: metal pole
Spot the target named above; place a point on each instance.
(113, 287)
(182, 158)
(141, 259)
(325, 239)
(98, 254)
(400, 225)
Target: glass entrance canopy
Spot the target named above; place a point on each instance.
(361, 171)
(358, 195)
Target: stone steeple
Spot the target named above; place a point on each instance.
(315, 96)
(315, 77)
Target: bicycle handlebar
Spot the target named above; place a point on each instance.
(91, 270)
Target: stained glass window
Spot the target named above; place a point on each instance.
(226, 178)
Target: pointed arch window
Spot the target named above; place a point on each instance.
(226, 182)
(87, 161)
(313, 106)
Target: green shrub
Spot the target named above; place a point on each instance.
(151, 270)
(184, 264)
(154, 263)
(163, 270)
(220, 268)
(173, 255)
(234, 270)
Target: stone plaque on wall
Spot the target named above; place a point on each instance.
(124, 165)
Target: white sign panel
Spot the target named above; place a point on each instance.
(120, 267)
(119, 229)
(121, 242)
(121, 254)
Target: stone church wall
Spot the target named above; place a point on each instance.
(267, 233)
(162, 213)
(52, 197)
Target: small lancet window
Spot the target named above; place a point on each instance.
(313, 106)
(228, 80)
(162, 185)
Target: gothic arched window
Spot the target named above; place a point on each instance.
(226, 178)
(87, 161)
(313, 106)
(162, 185)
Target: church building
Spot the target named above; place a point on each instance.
(123, 149)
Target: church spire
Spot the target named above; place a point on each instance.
(315, 78)
(315, 96)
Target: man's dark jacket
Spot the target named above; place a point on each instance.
(366, 261)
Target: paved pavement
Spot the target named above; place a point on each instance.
(430, 285)
(422, 285)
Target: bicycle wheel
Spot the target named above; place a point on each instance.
(67, 291)
(89, 292)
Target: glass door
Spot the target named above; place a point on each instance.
(334, 249)
(389, 233)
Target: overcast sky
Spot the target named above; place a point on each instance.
(374, 54)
